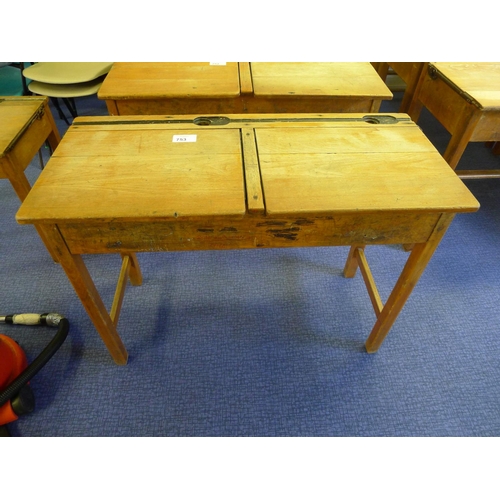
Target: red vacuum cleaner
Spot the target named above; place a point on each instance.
(16, 397)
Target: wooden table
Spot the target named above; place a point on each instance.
(465, 98)
(221, 88)
(145, 184)
(25, 124)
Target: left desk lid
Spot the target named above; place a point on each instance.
(143, 172)
(16, 114)
(171, 80)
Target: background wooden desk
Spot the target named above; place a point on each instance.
(192, 88)
(126, 185)
(465, 98)
(25, 124)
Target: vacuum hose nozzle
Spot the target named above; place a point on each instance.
(49, 319)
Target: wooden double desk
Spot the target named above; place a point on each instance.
(187, 183)
(222, 88)
(463, 97)
(25, 124)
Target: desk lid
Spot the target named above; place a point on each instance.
(349, 167)
(318, 79)
(16, 114)
(480, 81)
(164, 80)
(141, 173)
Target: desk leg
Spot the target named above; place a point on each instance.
(15, 174)
(382, 68)
(414, 106)
(54, 137)
(417, 262)
(375, 106)
(78, 275)
(351, 265)
(461, 137)
(112, 107)
(134, 272)
(22, 187)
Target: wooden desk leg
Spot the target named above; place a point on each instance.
(415, 266)
(134, 272)
(78, 275)
(130, 270)
(17, 178)
(414, 107)
(54, 137)
(461, 137)
(375, 106)
(112, 107)
(351, 265)
(382, 68)
(411, 86)
(22, 187)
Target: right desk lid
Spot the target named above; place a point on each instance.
(356, 166)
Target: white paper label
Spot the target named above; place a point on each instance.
(184, 138)
(217, 64)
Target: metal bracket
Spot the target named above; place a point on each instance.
(40, 112)
(434, 73)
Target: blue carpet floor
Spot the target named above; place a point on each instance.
(268, 342)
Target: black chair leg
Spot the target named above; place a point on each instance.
(70, 104)
(59, 110)
(26, 91)
(40, 158)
